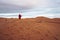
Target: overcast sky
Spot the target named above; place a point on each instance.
(16, 5)
(30, 6)
(26, 3)
(29, 3)
(32, 3)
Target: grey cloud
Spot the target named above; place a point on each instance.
(8, 8)
(22, 5)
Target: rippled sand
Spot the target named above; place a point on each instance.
(39, 28)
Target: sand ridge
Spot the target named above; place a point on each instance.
(40, 28)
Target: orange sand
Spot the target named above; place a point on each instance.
(39, 28)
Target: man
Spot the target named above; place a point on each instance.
(19, 16)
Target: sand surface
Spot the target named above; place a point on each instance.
(39, 28)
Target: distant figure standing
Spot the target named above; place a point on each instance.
(19, 16)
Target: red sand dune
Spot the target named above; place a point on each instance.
(39, 28)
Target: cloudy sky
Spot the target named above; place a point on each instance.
(49, 8)
(32, 3)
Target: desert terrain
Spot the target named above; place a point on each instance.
(39, 28)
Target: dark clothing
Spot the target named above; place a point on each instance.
(19, 16)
